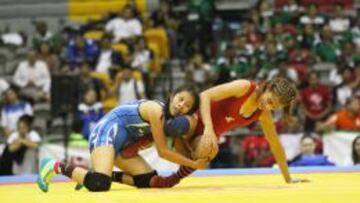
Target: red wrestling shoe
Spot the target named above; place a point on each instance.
(164, 182)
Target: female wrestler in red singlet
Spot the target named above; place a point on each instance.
(234, 104)
(240, 103)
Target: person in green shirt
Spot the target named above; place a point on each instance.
(327, 49)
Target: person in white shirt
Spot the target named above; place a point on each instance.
(339, 23)
(125, 26)
(17, 144)
(12, 110)
(107, 57)
(127, 87)
(33, 77)
(312, 17)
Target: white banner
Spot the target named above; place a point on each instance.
(337, 146)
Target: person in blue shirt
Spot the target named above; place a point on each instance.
(80, 50)
(90, 111)
(307, 157)
(120, 127)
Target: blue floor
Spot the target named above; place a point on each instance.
(209, 172)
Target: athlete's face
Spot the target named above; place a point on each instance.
(268, 101)
(181, 103)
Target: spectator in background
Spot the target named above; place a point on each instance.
(256, 151)
(164, 18)
(349, 57)
(344, 90)
(44, 35)
(125, 26)
(356, 151)
(307, 37)
(354, 34)
(347, 119)
(291, 11)
(87, 81)
(51, 60)
(107, 57)
(80, 50)
(127, 87)
(316, 102)
(17, 144)
(339, 22)
(12, 110)
(312, 17)
(307, 156)
(141, 59)
(198, 71)
(90, 111)
(33, 77)
(268, 58)
(327, 48)
(284, 71)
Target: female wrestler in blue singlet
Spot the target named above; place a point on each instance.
(120, 127)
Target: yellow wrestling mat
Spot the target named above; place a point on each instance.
(328, 187)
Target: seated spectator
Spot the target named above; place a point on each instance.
(80, 50)
(347, 119)
(307, 156)
(90, 111)
(51, 60)
(44, 35)
(344, 91)
(88, 81)
(164, 18)
(141, 56)
(349, 57)
(12, 110)
(125, 26)
(257, 151)
(291, 11)
(284, 71)
(354, 34)
(316, 102)
(268, 58)
(33, 77)
(339, 22)
(141, 59)
(327, 48)
(356, 151)
(107, 56)
(17, 144)
(308, 37)
(127, 87)
(198, 71)
(312, 17)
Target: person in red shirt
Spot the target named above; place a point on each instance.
(257, 151)
(316, 102)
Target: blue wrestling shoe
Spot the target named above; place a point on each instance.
(46, 173)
